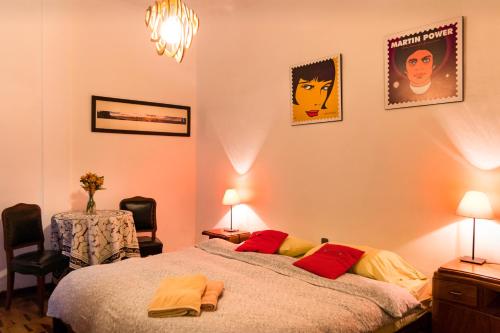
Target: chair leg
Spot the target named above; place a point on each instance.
(10, 289)
(41, 293)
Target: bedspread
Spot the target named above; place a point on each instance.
(263, 293)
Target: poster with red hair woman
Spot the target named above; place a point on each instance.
(423, 66)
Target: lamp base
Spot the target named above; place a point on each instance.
(477, 261)
(231, 230)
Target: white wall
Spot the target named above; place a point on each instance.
(21, 110)
(56, 55)
(390, 179)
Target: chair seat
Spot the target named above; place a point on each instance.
(39, 263)
(148, 246)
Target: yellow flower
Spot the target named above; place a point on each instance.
(92, 182)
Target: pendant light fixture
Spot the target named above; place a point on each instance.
(172, 26)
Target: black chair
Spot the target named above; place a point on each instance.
(144, 213)
(22, 227)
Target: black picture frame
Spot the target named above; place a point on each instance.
(126, 116)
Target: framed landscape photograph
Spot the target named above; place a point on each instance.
(115, 115)
(316, 91)
(424, 65)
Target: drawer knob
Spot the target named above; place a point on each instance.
(455, 293)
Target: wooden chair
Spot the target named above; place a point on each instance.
(22, 227)
(144, 213)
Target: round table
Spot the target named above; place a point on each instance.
(104, 237)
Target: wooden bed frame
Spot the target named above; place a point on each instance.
(421, 325)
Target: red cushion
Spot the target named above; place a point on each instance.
(265, 241)
(330, 261)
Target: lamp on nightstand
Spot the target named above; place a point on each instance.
(476, 205)
(231, 198)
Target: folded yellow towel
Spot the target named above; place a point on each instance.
(210, 297)
(178, 296)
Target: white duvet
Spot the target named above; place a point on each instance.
(263, 293)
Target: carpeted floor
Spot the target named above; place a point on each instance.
(23, 316)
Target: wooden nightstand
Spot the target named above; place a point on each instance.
(466, 298)
(233, 237)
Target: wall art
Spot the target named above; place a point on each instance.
(316, 91)
(424, 65)
(115, 115)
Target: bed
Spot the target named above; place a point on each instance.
(263, 293)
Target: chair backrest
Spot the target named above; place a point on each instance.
(144, 212)
(22, 226)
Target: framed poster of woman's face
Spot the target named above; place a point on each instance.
(423, 66)
(316, 91)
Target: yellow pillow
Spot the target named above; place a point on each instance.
(385, 266)
(294, 247)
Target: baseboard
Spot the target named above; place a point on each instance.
(26, 291)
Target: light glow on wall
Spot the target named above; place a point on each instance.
(243, 132)
(452, 241)
(244, 185)
(474, 132)
(241, 146)
(244, 218)
(487, 239)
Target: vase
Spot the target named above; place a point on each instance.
(90, 204)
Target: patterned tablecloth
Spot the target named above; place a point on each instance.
(107, 236)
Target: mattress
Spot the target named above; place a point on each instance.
(407, 319)
(263, 293)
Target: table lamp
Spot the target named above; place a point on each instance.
(476, 205)
(231, 198)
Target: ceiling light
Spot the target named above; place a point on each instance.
(172, 26)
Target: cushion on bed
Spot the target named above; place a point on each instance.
(363, 248)
(294, 247)
(330, 261)
(265, 241)
(387, 266)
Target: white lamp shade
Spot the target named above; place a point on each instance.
(475, 204)
(231, 197)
